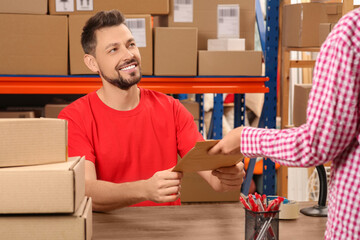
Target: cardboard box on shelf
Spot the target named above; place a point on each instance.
(175, 51)
(34, 227)
(9, 114)
(141, 29)
(195, 189)
(53, 110)
(34, 44)
(32, 141)
(193, 107)
(24, 6)
(230, 63)
(76, 53)
(226, 44)
(203, 14)
(93, 6)
(301, 96)
(301, 22)
(38, 111)
(47, 188)
(324, 31)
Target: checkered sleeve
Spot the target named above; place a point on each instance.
(332, 113)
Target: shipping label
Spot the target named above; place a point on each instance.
(183, 10)
(84, 5)
(228, 21)
(138, 30)
(64, 5)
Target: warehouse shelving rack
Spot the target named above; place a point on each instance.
(23, 84)
(14, 84)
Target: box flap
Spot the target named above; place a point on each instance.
(63, 166)
(331, 9)
(88, 216)
(84, 211)
(79, 182)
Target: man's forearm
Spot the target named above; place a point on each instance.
(108, 196)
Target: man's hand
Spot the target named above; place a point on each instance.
(230, 178)
(164, 186)
(230, 144)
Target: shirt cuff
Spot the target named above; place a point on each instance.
(250, 144)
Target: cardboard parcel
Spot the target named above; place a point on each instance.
(77, 226)
(193, 187)
(48, 188)
(31, 141)
(197, 159)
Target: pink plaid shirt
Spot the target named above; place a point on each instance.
(332, 131)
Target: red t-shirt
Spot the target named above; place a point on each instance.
(127, 146)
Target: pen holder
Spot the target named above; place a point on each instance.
(261, 225)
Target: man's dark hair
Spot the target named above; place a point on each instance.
(99, 20)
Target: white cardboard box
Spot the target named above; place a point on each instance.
(48, 188)
(226, 44)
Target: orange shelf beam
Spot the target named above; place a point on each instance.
(175, 85)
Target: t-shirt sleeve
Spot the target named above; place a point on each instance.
(187, 131)
(79, 143)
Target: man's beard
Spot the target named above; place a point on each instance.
(120, 82)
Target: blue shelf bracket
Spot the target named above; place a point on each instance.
(215, 129)
(200, 99)
(268, 116)
(239, 120)
(239, 110)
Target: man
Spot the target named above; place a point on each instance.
(130, 136)
(332, 130)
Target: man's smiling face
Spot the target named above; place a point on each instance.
(117, 56)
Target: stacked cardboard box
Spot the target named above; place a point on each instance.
(194, 108)
(215, 19)
(20, 114)
(42, 191)
(23, 6)
(156, 7)
(223, 26)
(32, 141)
(230, 63)
(301, 96)
(324, 31)
(301, 22)
(53, 110)
(34, 44)
(175, 51)
(52, 29)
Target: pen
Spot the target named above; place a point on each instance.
(254, 207)
(244, 203)
(271, 205)
(277, 206)
(260, 202)
(264, 200)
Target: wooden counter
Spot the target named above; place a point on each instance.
(196, 221)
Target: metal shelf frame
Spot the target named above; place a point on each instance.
(13, 84)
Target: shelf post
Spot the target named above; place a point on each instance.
(268, 115)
